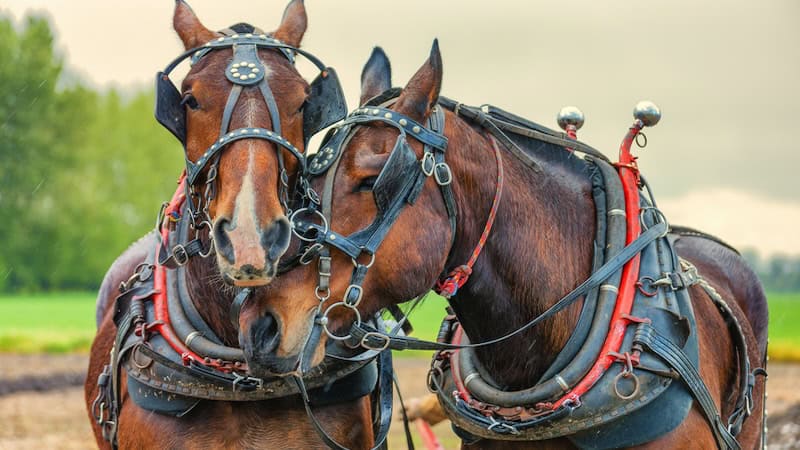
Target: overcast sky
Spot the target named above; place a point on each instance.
(725, 74)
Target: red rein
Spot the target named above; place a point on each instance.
(459, 276)
(162, 319)
(620, 319)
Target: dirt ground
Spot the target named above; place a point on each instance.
(54, 416)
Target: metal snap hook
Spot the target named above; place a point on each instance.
(310, 253)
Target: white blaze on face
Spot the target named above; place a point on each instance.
(246, 235)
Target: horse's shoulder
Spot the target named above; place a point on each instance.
(120, 270)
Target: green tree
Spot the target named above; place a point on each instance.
(82, 174)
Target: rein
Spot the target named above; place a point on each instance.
(449, 286)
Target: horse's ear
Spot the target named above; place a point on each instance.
(188, 26)
(293, 25)
(376, 77)
(422, 91)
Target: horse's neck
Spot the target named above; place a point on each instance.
(539, 249)
(212, 297)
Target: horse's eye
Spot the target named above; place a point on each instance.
(366, 184)
(190, 101)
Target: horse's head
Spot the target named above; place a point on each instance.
(244, 114)
(381, 203)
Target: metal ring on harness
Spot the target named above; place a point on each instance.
(643, 142)
(435, 379)
(294, 228)
(368, 265)
(660, 215)
(136, 354)
(210, 248)
(325, 321)
(626, 374)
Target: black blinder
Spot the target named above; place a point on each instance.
(329, 151)
(396, 174)
(169, 111)
(325, 105)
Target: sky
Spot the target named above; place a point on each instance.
(725, 74)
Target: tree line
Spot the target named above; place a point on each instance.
(83, 172)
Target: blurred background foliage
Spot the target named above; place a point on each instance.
(83, 172)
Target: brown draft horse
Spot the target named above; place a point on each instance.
(247, 201)
(540, 247)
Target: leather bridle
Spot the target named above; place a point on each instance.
(399, 183)
(325, 106)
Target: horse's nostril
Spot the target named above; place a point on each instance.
(276, 238)
(222, 241)
(265, 334)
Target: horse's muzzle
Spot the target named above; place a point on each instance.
(250, 258)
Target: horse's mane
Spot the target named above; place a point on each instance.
(544, 151)
(243, 27)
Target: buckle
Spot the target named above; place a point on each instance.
(428, 163)
(247, 381)
(353, 294)
(442, 174)
(386, 340)
(180, 255)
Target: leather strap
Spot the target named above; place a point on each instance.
(385, 371)
(649, 337)
(372, 338)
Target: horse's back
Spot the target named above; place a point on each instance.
(727, 270)
(122, 268)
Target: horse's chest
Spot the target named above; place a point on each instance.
(226, 425)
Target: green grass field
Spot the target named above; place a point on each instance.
(64, 322)
(784, 326)
(52, 323)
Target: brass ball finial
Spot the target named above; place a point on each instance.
(570, 115)
(648, 112)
